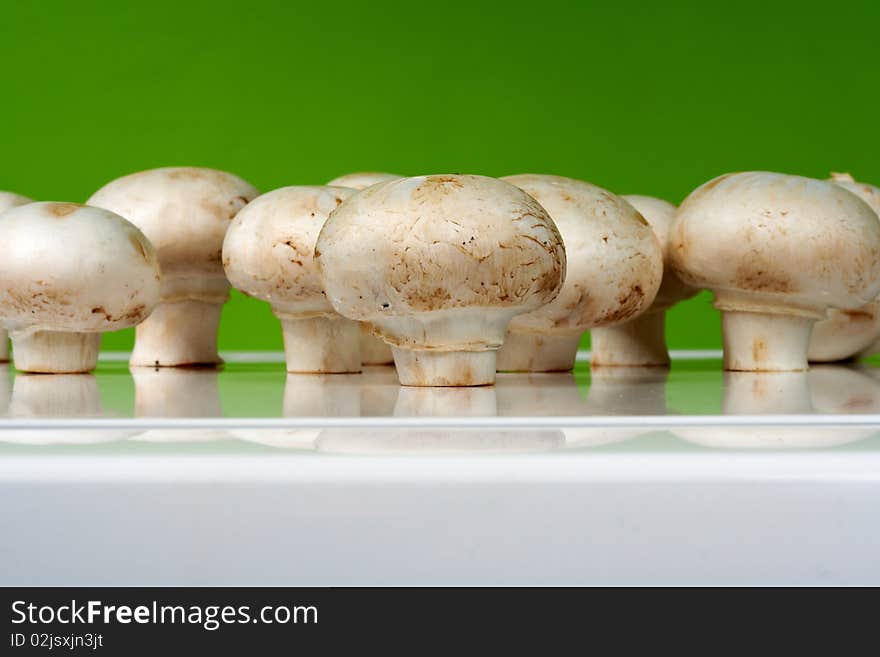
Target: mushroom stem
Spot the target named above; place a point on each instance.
(530, 352)
(760, 342)
(374, 351)
(328, 345)
(444, 368)
(54, 352)
(4, 346)
(178, 333)
(640, 342)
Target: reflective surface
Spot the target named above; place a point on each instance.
(251, 476)
(692, 405)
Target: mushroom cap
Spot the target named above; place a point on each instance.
(660, 214)
(433, 244)
(845, 333)
(615, 264)
(11, 200)
(868, 193)
(770, 242)
(184, 211)
(70, 267)
(362, 179)
(268, 251)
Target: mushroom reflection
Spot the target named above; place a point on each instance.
(446, 402)
(828, 389)
(5, 379)
(329, 396)
(538, 394)
(612, 391)
(428, 442)
(379, 390)
(627, 391)
(57, 396)
(427, 402)
(166, 392)
(620, 391)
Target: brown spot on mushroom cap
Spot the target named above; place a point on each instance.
(762, 279)
(859, 315)
(629, 303)
(444, 180)
(186, 173)
(433, 188)
(62, 209)
(133, 314)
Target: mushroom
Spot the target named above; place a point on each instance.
(641, 342)
(8, 200)
(847, 333)
(268, 254)
(614, 270)
(70, 273)
(777, 251)
(373, 350)
(439, 265)
(12, 200)
(185, 212)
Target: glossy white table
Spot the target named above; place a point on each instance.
(252, 477)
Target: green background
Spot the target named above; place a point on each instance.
(638, 97)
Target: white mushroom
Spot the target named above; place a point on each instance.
(268, 254)
(615, 266)
(439, 265)
(185, 213)
(777, 251)
(641, 341)
(70, 273)
(847, 333)
(8, 200)
(12, 200)
(373, 350)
